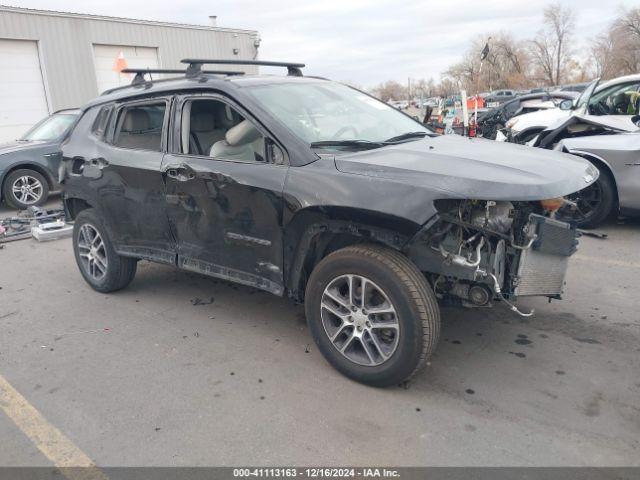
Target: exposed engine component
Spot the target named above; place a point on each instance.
(495, 216)
(482, 251)
(479, 295)
(457, 259)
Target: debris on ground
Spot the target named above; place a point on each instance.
(198, 301)
(594, 234)
(58, 337)
(36, 222)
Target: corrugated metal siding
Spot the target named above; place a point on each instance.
(66, 47)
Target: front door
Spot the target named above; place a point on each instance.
(224, 194)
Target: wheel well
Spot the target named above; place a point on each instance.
(73, 206)
(35, 167)
(604, 169)
(322, 245)
(313, 235)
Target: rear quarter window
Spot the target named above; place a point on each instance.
(100, 124)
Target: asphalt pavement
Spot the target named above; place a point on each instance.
(181, 369)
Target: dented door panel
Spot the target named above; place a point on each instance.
(227, 218)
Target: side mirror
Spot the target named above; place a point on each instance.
(566, 104)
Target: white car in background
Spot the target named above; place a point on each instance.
(614, 98)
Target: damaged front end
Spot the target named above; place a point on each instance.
(474, 252)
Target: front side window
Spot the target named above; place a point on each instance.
(622, 99)
(139, 127)
(324, 111)
(53, 127)
(214, 129)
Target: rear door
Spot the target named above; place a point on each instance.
(124, 171)
(225, 202)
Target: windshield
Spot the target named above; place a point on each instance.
(325, 112)
(585, 95)
(51, 128)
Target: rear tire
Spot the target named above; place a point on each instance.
(101, 267)
(374, 355)
(25, 188)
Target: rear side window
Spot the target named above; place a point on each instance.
(99, 127)
(139, 127)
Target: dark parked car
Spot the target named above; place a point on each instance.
(309, 188)
(494, 119)
(500, 96)
(29, 165)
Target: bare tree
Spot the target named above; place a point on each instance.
(542, 56)
(551, 48)
(629, 22)
(603, 53)
(390, 90)
(616, 52)
(505, 65)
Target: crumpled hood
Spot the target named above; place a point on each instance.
(474, 168)
(621, 123)
(541, 118)
(16, 145)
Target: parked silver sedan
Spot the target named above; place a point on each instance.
(612, 145)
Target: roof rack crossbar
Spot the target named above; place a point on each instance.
(195, 65)
(141, 72)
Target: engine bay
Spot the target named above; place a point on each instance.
(478, 251)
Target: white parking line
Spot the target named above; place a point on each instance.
(61, 451)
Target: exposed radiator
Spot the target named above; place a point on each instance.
(542, 268)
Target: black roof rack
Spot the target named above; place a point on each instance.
(195, 65)
(141, 72)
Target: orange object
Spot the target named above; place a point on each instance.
(472, 128)
(552, 204)
(471, 102)
(121, 62)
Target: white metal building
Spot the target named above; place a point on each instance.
(55, 60)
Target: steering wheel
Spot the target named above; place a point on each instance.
(343, 130)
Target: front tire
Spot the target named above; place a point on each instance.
(372, 314)
(25, 188)
(101, 267)
(595, 203)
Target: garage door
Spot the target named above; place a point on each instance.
(22, 96)
(109, 59)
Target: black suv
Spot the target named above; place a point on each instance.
(309, 188)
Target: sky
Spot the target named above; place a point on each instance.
(360, 41)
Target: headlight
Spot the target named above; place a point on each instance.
(511, 123)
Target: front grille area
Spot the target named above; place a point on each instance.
(542, 268)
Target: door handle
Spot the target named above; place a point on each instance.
(181, 173)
